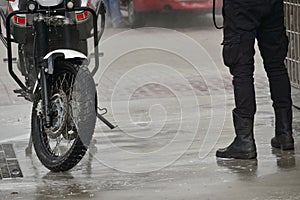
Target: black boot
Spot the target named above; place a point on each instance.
(243, 146)
(283, 130)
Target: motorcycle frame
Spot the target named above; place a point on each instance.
(100, 10)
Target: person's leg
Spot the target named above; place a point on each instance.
(238, 53)
(108, 22)
(273, 44)
(243, 146)
(115, 13)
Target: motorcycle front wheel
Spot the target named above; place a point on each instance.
(72, 106)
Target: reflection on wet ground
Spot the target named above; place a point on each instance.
(248, 168)
(285, 159)
(188, 175)
(244, 168)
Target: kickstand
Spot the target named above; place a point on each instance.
(28, 150)
(105, 121)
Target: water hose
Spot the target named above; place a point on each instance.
(214, 15)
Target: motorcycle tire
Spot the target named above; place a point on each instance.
(72, 104)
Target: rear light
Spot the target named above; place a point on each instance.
(18, 19)
(82, 15)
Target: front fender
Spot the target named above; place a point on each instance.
(68, 54)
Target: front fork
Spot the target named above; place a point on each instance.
(41, 49)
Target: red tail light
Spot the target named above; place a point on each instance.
(83, 14)
(19, 19)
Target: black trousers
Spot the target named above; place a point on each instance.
(245, 21)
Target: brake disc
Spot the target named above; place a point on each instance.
(59, 115)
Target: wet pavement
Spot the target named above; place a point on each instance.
(171, 97)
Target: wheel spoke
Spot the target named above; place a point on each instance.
(70, 89)
(55, 149)
(63, 86)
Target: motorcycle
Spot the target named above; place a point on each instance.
(52, 40)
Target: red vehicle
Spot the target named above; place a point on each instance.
(138, 8)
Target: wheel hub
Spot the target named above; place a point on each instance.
(59, 111)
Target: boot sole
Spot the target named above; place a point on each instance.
(285, 147)
(251, 155)
(288, 147)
